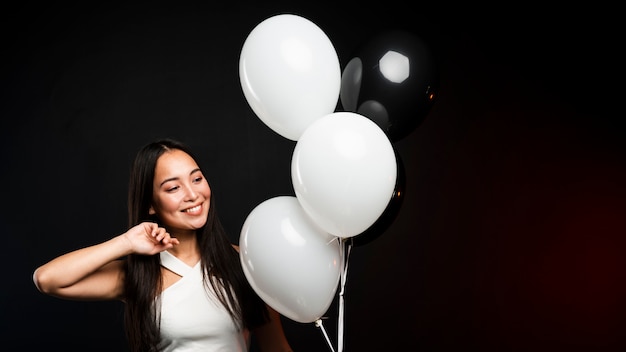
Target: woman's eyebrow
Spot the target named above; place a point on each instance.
(168, 180)
(176, 178)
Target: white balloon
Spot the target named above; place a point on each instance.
(344, 173)
(290, 262)
(289, 73)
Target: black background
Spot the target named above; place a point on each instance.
(511, 234)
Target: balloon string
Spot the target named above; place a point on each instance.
(318, 323)
(344, 272)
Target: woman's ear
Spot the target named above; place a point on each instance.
(151, 210)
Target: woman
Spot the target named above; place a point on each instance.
(175, 269)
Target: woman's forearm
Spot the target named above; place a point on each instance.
(70, 268)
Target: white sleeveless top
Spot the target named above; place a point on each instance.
(192, 318)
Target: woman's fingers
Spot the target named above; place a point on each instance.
(161, 235)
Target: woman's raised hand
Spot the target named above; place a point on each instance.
(148, 238)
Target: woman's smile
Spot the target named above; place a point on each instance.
(194, 210)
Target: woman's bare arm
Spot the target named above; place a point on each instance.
(95, 272)
(271, 336)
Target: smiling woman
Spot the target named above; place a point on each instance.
(182, 194)
(174, 237)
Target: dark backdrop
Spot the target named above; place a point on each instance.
(511, 232)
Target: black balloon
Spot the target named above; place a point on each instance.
(393, 80)
(389, 214)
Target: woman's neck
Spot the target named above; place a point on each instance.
(187, 250)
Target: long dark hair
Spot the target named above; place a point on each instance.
(220, 261)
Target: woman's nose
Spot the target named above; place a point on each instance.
(190, 193)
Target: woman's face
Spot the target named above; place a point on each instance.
(181, 196)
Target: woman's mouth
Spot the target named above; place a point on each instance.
(193, 210)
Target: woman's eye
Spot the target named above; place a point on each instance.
(172, 189)
(197, 179)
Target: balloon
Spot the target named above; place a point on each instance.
(289, 73)
(393, 80)
(391, 212)
(343, 172)
(291, 263)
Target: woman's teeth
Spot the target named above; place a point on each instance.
(194, 209)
